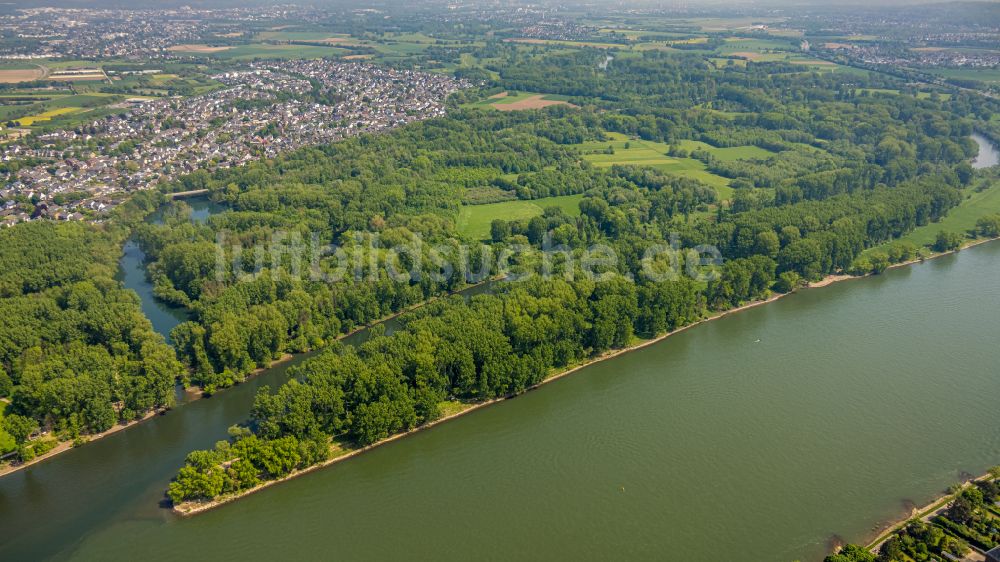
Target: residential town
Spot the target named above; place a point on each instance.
(266, 108)
(39, 33)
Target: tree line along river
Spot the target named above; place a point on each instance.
(762, 436)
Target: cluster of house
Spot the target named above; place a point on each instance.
(892, 54)
(83, 32)
(558, 30)
(265, 108)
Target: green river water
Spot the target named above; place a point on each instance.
(765, 435)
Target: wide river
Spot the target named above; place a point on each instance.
(761, 436)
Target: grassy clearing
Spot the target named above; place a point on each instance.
(63, 64)
(474, 220)
(961, 219)
(736, 44)
(401, 49)
(988, 75)
(721, 63)
(654, 155)
(886, 91)
(730, 153)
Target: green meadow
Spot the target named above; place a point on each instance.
(474, 220)
(989, 75)
(654, 155)
(961, 219)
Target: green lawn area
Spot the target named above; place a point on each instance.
(920, 95)
(474, 220)
(990, 75)
(961, 219)
(401, 48)
(730, 153)
(653, 154)
(737, 44)
(61, 64)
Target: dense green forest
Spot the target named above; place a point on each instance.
(837, 173)
(77, 355)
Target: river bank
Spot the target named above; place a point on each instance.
(64, 446)
(738, 418)
(195, 392)
(924, 513)
(193, 508)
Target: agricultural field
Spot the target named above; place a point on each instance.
(77, 73)
(14, 72)
(988, 75)
(566, 43)
(474, 220)
(738, 44)
(310, 36)
(400, 49)
(732, 24)
(514, 101)
(47, 116)
(64, 110)
(260, 50)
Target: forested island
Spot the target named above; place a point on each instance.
(822, 198)
(77, 356)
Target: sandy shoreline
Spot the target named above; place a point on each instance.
(193, 508)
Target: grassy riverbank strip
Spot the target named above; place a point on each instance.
(460, 409)
(198, 393)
